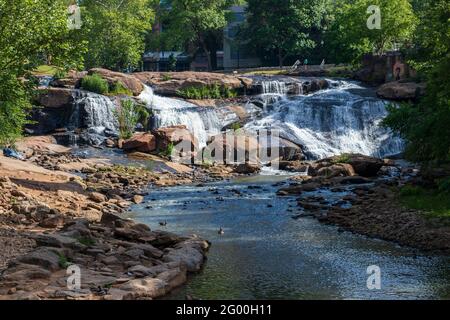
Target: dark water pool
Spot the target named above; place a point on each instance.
(265, 254)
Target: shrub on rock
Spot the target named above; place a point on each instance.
(95, 83)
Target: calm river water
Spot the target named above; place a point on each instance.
(265, 254)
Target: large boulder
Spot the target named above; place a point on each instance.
(401, 90)
(374, 69)
(174, 135)
(362, 165)
(55, 108)
(55, 97)
(293, 166)
(336, 170)
(288, 150)
(71, 81)
(128, 81)
(44, 257)
(311, 86)
(168, 83)
(247, 168)
(142, 142)
(233, 147)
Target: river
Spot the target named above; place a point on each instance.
(265, 254)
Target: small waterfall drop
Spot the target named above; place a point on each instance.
(94, 112)
(274, 87)
(203, 122)
(332, 121)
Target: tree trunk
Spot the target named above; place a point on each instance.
(280, 58)
(206, 51)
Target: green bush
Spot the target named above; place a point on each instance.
(60, 74)
(409, 190)
(143, 115)
(14, 108)
(128, 118)
(433, 202)
(235, 126)
(63, 261)
(170, 148)
(343, 158)
(118, 88)
(444, 185)
(207, 92)
(95, 83)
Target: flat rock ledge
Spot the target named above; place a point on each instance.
(118, 259)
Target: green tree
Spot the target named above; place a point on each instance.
(197, 21)
(425, 125)
(349, 36)
(160, 40)
(31, 33)
(283, 27)
(116, 31)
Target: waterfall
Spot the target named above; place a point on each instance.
(274, 87)
(44, 81)
(94, 112)
(340, 119)
(203, 122)
(332, 121)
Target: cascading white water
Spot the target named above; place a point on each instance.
(331, 122)
(94, 112)
(328, 122)
(274, 87)
(202, 122)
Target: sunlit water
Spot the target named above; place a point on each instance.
(265, 254)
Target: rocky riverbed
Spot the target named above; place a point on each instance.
(58, 209)
(360, 194)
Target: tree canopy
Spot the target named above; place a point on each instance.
(31, 32)
(283, 27)
(425, 125)
(350, 37)
(198, 22)
(116, 31)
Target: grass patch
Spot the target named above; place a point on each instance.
(46, 70)
(273, 72)
(343, 158)
(63, 261)
(435, 203)
(60, 74)
(207, 92)
(95, 83)
(339, 72)
(128, 118)
(169, 150)
(118, 88)
(236, 126)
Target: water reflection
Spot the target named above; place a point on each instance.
(265, 254)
